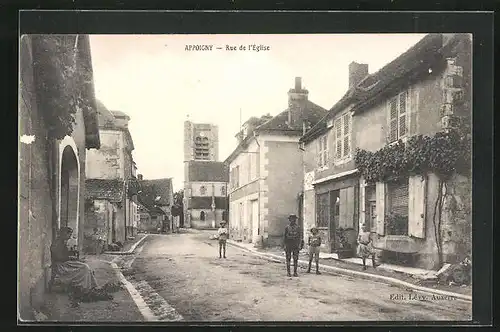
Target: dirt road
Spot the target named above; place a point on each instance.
(185, 270)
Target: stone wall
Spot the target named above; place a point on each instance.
(284, 184)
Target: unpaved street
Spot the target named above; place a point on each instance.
(186, 271)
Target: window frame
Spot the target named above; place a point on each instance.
(389, 203)
(340, 121)
(406, 115)
(322, 152)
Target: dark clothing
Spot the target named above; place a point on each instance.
(293, 243)
(292, 236)
(222, 248)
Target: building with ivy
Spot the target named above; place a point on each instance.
(393, 154)
(58, 125)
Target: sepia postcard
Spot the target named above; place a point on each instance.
(245, 177)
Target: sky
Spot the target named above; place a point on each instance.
(158, 83)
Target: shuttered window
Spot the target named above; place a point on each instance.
(342, 133)
(398, 111)
(323, 151)
(397, 207)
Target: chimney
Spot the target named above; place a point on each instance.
(357, 72)
(139, 177)
(297, 99)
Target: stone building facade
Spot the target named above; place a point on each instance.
(415, 94)
(265, 182)
(56, 82)
(112, 192)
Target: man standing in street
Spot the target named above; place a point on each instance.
(293, 243)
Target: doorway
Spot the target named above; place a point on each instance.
(334, 218)
(254, 219)
(69, 192)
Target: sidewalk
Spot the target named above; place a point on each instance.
(129, 246)
(398, 275)
(122, 308)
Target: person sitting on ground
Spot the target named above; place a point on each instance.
(365, 246)
(69, 270)
(314, 243)
(222, 235)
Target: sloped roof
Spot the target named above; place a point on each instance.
(106, 118)
(120, 114)
(413, 63)
(153, 189)
(208, 171)
(206, 203)
(111, 190)
(311, 113)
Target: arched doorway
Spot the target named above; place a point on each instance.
(69, 192)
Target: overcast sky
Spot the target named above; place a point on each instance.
(158, 83)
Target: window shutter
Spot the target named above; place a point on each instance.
(338, 133)
(416, 206)
(402, 113)
(343, 208)
(393, 120)
(349, 223)
(362, 201)
(326, 150)
(318, 153)
(347, 128)
(380, 203)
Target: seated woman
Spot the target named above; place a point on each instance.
(68, 269)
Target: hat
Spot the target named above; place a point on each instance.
(292, 216)
(222, 222)
(313, 228)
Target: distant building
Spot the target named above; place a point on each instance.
(201, 141)
(157, 198)
(205, 193)
(112, 185)
(205, 178)
(266, 170)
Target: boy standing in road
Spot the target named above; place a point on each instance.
(222, 235)
(293, 244)
(314, 243)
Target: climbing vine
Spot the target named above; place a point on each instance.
(443, 154)
(58, 81)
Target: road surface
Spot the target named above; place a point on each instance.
(185, 270)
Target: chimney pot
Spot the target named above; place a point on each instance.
(298, 83)
(357, 72)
